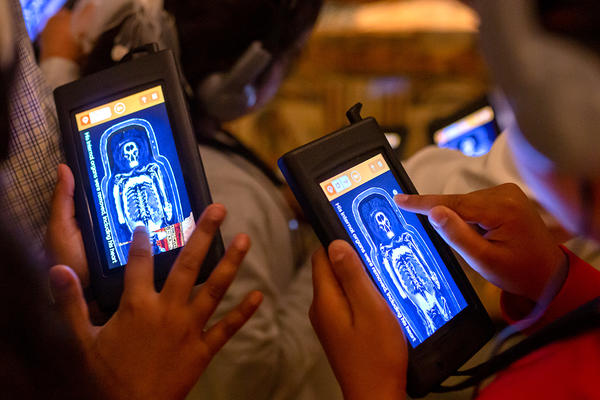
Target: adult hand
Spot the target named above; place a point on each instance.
(57, 40)
(361, 336)
(63, 238)
(512, 248)
(156, 345)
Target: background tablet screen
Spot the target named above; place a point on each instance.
(394, 246)
(37, 13)
(134, 174)
(473, 135)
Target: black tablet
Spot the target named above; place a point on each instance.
(130, 144)
(345, 183)
(472, 130)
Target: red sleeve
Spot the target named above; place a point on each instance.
(581, 286)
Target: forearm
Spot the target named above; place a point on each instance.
(581, 285)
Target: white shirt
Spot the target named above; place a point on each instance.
(59, 71)
(277, 354)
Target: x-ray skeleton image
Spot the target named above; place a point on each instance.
(138, 185)
(405, 263)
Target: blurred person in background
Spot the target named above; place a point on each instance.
(436, 170)
(235, 55)
(545, 55)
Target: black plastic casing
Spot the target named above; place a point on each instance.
(103, 87)
(458, 340)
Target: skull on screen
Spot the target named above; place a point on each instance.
(384, 224)
(131, 154)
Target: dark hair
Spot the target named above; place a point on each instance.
(214, 34)
(41, 357)
(578, 19)
(39, 354)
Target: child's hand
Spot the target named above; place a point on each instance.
(63, 238)
(157, 344)
(515, 251)
(361, 336)
(57, 40)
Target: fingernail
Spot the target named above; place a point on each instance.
(140, 238)
(255, 298)
(216, 213)
(337, 252)
(141, 229)
(401, 198)
(241, 242)
(438, 219)
(59, 279)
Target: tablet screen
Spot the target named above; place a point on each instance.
(473, 135)
(36, 14)
(134, 173)
(395, 247)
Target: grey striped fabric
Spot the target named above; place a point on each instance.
(29, 174)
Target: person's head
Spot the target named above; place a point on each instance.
(210, 38)
(108, 29)
(215, 35)
(545, 55)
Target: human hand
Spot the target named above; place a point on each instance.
(63, 237)
(515, 251)
(361, 336)
(156, 344)
(57, 40)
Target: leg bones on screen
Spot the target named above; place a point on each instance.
(139, 186)
(140, 195)
(411, 275)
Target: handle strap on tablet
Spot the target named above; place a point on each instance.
(584, 319)
(223, 140)
(149, 48)
(353, 114)
(550, 291)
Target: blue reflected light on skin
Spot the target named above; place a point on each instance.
(557, 193)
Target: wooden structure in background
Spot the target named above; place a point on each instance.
(408, 62)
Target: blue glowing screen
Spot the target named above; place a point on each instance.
(475, 142)
(472, 135)
(37, 13)
(135, 174)
(397, 252)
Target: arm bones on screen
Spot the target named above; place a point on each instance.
(117, 190)
(159, 181)
(392, 274)
(416, 250)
